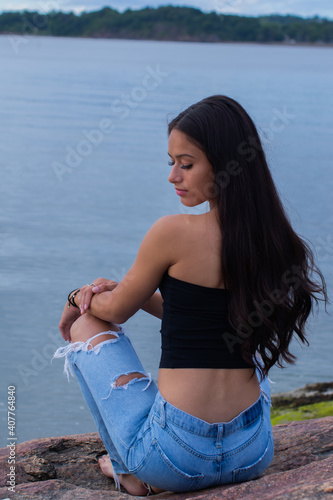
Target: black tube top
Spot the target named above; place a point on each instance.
(195, 329)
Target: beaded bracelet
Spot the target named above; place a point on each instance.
(71, 298)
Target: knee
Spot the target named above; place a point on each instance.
(86, 326)
(123, 380)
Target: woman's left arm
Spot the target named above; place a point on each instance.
(155, 255)
(69, 315)
(154, 305)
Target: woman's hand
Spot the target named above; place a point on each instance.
(83, 298)
(69, 315)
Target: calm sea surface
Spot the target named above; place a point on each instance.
(83, 148)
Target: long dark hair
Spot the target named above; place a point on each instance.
(267, 266)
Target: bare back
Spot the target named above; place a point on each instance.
(198, 251)
(214, 395)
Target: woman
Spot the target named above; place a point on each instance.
(236, 284)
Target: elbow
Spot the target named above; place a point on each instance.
(111, 317)
(118, 318)
(111, 311)
(120, 312)
(118, 315)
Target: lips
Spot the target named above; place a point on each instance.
(180, 192)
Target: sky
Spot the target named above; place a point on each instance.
(303, 8)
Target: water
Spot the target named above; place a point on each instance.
(74, 210)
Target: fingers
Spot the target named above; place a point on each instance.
(83, 298)
(69, 315)
(103, 287)
(65, 331)
(98, 281)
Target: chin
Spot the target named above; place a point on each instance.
(193, 203)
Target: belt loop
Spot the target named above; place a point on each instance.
(162, 413)
(219, 435)
(265, 396)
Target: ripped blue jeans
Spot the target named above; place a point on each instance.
(150, 438)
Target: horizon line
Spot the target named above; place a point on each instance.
(79, 12)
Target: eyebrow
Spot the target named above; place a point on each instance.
(180, 156)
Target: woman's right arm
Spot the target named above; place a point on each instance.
(157, 252)
(153, 305)
(70, 314)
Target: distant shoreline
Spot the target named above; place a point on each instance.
(278, 44)
(172, 23)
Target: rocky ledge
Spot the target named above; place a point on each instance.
(309, 394)
(65, 468)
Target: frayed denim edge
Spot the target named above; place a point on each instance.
(147, 377)
(65, 352)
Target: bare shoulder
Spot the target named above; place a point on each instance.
(170, 223)
(192, 244)
(185, 233)
(161, 243)
(171, 227)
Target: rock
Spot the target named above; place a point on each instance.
(309, 394)
(65, 468)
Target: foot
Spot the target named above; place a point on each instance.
(132, 484)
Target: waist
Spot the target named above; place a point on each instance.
(213, 395)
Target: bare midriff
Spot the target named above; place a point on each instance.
(213, 395)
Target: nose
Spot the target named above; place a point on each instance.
(175, 175)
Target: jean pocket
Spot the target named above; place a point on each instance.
(258, 467)
(162, 472)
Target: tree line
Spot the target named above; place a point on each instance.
(169, 23)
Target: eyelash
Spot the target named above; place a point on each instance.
(171, 163)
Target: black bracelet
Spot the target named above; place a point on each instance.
(71, 298)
